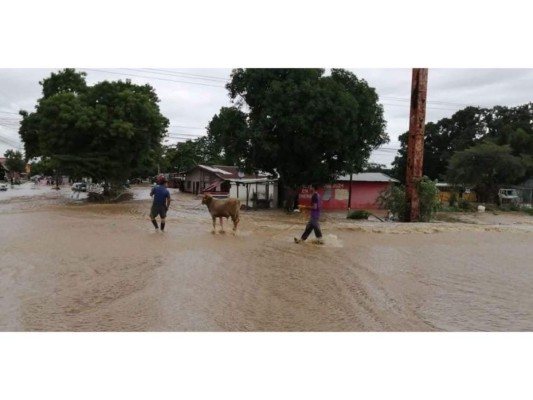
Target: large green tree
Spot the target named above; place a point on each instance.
(486, 166)
(186, 155)
(299, 123)
(229, 132)
(511, 126)
(441, 140)
(103, 131)
(15, 161)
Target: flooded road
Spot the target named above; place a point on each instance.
(66, 265)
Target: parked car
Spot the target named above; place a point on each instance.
(3, 187)
(79, 187)
(508, 196)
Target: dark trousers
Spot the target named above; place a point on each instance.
(313, 224)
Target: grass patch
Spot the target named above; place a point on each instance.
(358, 214)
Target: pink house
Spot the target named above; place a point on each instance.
(366, 188)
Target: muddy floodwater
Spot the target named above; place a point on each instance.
(66, 265)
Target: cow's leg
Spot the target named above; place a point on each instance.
(214, 224)
(235, 220)
(221, 225)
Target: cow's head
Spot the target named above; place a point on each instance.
(207, 199)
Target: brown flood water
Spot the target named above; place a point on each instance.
(70, 266)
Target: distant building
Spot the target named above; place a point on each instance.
(448, 190)
(366, 188)
(227, 181)
(4, 171)
(209, 178)
(3, 168)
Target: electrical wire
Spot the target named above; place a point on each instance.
(205, 77)
(147, 77)
(7, 112)
(180, 75)
(429, 101)
(186, 127)
(10, 142)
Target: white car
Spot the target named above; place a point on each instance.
(3, 187)
(79, 187)
(509, 196)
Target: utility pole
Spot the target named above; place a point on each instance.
(350, 191)
(415, 144)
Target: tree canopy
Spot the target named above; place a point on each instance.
(512, 126)
(14, 161)
(486, 166)
(229, 133)
(299, 123)
(186, 155)
(103, 131)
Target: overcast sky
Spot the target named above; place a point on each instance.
(191, 97)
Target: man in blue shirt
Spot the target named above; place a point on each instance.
(161, 202)
(313, 223)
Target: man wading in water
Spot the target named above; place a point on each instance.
(313, 223)
(161, 202)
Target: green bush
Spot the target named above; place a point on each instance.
(491, 208)
(465, 205)
(528, 210)
(510, 207)
(429, 198)
(395, 200)
(515, 207)
(358, 214)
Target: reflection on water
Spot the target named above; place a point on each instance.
(70, 266)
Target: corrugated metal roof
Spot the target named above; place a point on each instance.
(229, 172)
(215, 170)
(253, 180)
(368, 177)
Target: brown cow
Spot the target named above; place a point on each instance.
(222, 208)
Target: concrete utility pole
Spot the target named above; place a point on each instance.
(415, 144)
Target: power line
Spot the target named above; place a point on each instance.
(10, 142)
(430, 108)
(181, 140)
(7, 112)
(185, 73)
(428, 101)
(180, 75)
(185, 137)
(186, 127)
(151, 77)
(194, 139)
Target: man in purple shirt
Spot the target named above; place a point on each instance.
(313, 223)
